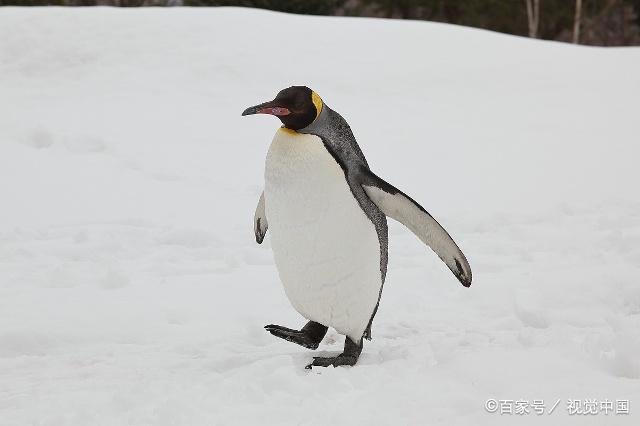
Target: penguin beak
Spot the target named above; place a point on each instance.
(267, 108)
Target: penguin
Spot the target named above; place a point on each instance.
(327, 215)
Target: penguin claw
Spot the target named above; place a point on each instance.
(277, 328)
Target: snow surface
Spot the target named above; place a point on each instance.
(132, 291)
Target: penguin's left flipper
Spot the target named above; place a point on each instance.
(399, 206)
(260, 224)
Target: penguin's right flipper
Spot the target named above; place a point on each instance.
(310, 336)
(399, 206)
(260, 224)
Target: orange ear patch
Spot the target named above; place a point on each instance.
(317, 101)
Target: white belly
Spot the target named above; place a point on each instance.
(325, 248)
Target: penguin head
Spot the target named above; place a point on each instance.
(296, 106)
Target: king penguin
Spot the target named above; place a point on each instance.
(326, 212)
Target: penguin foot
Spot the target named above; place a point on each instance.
(310, 336)
(349, 356)
(294, 336)
(326, 361)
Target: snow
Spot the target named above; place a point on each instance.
(131, 288)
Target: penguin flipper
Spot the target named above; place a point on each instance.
(399, 206)
(260, 224)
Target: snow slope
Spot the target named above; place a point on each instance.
(132, 291)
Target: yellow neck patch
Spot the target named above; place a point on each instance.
(288, 130)
(317, 101)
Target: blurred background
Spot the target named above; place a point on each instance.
(590, 22)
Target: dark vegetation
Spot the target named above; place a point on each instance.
(594, 22)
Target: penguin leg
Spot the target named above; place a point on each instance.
(349, 356)
(310, 336)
